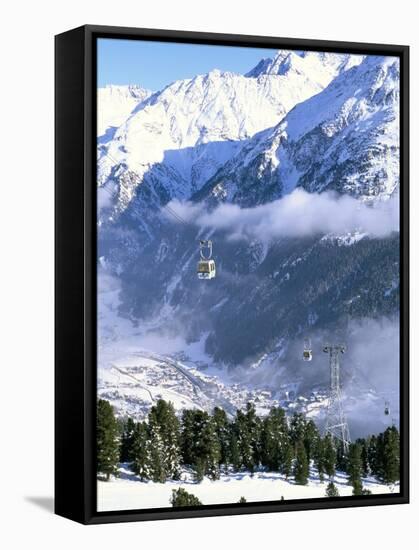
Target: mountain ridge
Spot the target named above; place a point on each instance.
(177, 138)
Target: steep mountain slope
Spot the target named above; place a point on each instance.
(179, 137)
(114, 105)
(345, 138)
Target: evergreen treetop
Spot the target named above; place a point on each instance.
(331, 490)
(180, 497)
(301, 469)
(107, 440)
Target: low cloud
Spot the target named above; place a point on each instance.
(369, 370)
(104, 198)
(299, 214)
(373, 350)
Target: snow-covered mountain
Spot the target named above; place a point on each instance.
(178, 138)
(345, 138)
(114, 105)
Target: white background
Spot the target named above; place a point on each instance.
(26, 398)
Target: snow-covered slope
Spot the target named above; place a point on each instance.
(114, 104)
(345, 138)
(178, 138)
(128, 492)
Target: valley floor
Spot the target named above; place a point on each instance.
(127, 492)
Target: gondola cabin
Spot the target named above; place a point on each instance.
(307, 355)
(307, 351)
(206, 269)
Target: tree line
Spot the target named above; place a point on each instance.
(159, 448)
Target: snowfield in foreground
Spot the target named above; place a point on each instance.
(128, 492)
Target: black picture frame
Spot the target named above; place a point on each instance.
(75, 273)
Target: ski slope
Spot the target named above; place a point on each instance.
(128, 492)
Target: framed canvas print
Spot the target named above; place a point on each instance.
(231, 274)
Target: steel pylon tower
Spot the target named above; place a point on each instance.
(336, 424)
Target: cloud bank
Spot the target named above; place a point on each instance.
(104, 198)
(299, 214)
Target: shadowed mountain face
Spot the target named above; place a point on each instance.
(202, 140)
(263, 295)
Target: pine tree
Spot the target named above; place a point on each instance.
(222, 430)
(211, 450)
(318, 458)
(301, 464)
(380, 457)
(242, 500)
(341, 456)
(188, 437)
(329, 456)
(246, 439)
(243, 440)
(331, 490)
(286, 467)
(180, 497)
(127, 440)
(373, 458)
(140, 451)
(156, 459)
(391, 455)
(107, 443)
(164, 432)
(297, 428)
(203, 452)
(250, 438)
(234, 451)
(268, 443)
(199, 470)
(274, 440)
(310, 438)
(364, 457)
(354, 467)
(171, 439)
(357, 488)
